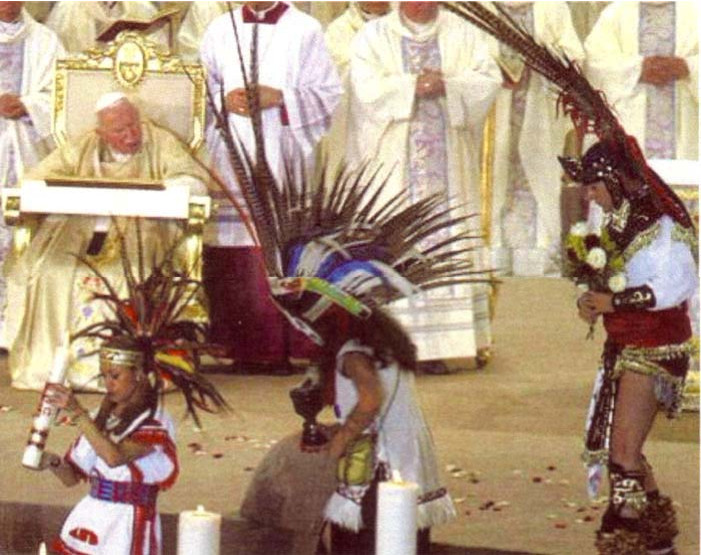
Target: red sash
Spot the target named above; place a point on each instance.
(648, 328)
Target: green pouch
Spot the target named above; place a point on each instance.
(356, 467)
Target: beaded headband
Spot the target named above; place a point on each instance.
(121, 356)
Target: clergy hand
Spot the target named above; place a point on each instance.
(11, 106)
(429, 84)
(675, 68)
(660, 70)
(269, 97)
(237, 102)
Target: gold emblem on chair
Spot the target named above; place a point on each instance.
(141, 68)
(129, 64)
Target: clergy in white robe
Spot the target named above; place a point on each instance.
(300, 89)
(28, 51)
(420, 91)
(525, 219)
(78, 24)
(49, 290)
(198, 17)
(294, 61)
(339, 35)
(644, 57)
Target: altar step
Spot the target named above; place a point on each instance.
(24, 526)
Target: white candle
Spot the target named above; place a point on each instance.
(396, 517)
(31, 458)
(199, 532)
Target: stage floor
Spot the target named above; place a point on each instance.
(508, 438)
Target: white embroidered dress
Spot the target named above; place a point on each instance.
(404, 443)
(100, 526)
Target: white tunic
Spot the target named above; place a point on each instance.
(339, 36)
(451, 323)
(666, 265)
(292, 58)
(552, 26)
(29, 52)
(97, 526)
(404, 443)
(614, 64)
(383, 99)
(25, 141)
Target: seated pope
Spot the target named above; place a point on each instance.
(49, 289)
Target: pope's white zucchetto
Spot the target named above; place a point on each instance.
(109, 99)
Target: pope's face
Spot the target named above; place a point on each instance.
(120, 127)
(419, 12)
(598, 192)
(9, 11)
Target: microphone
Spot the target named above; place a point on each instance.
(99, 235)
(96, 243)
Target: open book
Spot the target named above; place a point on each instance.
(148, 26)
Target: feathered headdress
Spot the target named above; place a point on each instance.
(150, 319)
(586, 106)
(338, 244)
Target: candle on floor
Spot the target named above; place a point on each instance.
(396, 517)
(47, 413)
(199, 532)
